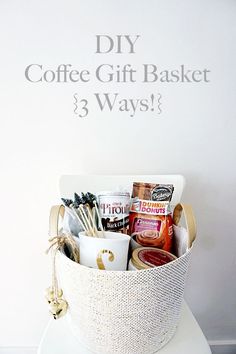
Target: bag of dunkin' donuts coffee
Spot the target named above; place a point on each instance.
(150, 218)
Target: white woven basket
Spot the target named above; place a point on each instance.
(125, 312)
(131, 312)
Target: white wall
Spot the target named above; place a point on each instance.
(41, 139)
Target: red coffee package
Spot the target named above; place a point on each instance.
(150, 218)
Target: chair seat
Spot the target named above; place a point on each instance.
(58, 339)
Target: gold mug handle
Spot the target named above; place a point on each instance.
(100, 263)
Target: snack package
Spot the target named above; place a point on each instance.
(114, 210)
(150, 219)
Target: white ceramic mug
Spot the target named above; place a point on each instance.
(109, 253)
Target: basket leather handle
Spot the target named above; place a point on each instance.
(189, 219)
(55, 213)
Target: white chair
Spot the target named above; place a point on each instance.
(58, 338)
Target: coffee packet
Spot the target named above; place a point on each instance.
(150, 215)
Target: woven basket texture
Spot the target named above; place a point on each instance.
(124, 312)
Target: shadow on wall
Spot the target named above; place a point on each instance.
(211, 283)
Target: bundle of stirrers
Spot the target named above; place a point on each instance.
(86, 211)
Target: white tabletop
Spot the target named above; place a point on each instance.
(58, 339)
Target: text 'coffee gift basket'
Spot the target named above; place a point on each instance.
(120, 261)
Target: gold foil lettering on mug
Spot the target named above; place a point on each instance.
(100, 263)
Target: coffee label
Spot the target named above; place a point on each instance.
(162, 193)
(150, 207)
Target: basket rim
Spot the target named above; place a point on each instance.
(112, 272)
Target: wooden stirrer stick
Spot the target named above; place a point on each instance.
(87, 220)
